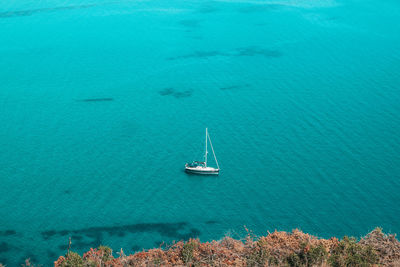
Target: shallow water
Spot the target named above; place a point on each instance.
(102, 103)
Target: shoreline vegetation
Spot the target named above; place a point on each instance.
(275, 249)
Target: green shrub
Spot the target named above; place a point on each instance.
(73, 260)
(107, 253)
(259, 255)
(307, 256)
(187, 251)
(294, 260)
(157, 261)
(90, 263)
(350, 253)
(316, 255)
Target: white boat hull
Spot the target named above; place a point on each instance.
(202, 170)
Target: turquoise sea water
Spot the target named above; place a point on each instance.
(102, 103)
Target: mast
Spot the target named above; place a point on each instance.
(205, 155)
(216, 161)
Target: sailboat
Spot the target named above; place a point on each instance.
(198, 167)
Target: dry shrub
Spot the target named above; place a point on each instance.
(386, 246)
(275, 249)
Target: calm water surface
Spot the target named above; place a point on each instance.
(102, 103)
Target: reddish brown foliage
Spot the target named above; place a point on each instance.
(59, 261)
(274, 249)
(386, 246)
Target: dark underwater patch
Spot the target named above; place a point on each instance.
(230, 87)
(193, 233)
(32, 259)
(121, 234)
(4, 247)
(64, 232)
(136, 248)
(8, 233)
(199, 54)
(105, 99)
(52, 254)
(29, 12)
(47, 234)
(174, 93)
(182, 94)
(97, 236)
(211, 222)
(255, 51)
(172, 230)
(239, 52)
(190, 23)
(234, 87)
(4, 261)
(63, 247)
(332, 18)
(85, 238)
(166, 91)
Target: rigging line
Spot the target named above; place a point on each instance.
(205, 154)
(213, 150)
